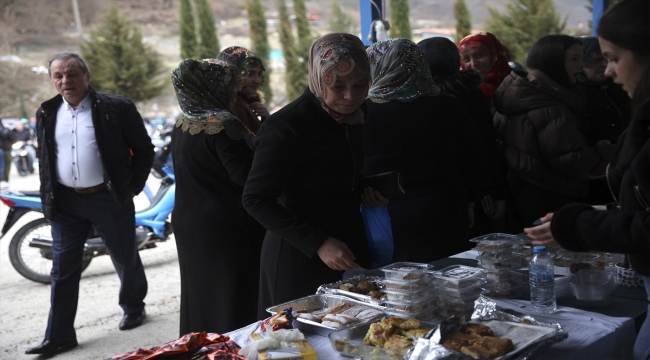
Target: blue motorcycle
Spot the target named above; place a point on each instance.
(30, 250)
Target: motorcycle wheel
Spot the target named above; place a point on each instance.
(34, 263)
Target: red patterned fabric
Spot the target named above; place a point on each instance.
(500, 69)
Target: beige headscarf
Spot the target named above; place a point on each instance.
(330, 56)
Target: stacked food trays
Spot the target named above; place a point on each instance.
(500, 257)
(458, 286)
(410, 290)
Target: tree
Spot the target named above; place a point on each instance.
(289, 50)
(463, 20)
(189, 45)
(120, 62)
(209, 43)
(339, 20)
(524, 23)
(400, 26)
(304, 43)
(260, 43)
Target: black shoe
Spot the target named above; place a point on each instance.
(52, 347)
(130, 321)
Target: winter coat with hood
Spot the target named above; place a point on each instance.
(540, 132)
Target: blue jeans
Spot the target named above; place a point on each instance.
(642, 344)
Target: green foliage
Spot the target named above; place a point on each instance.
(524, 23)
(120, 62)
(400, 26)
(260, 43)
(463, 20)
(209, 44)
(339, 20)
(289, 50)
(189, 45)
(304, 43)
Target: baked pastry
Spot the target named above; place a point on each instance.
(366, 287)
(415, 333)
(477, 340)
(402, 323)
(476, 329)
(476, 351)
(458, 340)
(378, 295)
(397, 342)
(496, 346)
(378, 334)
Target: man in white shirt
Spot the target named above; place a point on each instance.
(94, 156)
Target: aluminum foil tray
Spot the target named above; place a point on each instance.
(333, 288)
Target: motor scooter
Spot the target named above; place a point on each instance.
(30, 250)
(22, 159)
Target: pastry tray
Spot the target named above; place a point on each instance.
(316, 302)
(333, 288)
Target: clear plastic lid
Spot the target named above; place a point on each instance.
(459, 276)
(470, 292)
(500, 260)
(412, 307)
(406, 286)
(406, 271)
(414, 296)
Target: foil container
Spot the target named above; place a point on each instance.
(486, 309)
(333, 288)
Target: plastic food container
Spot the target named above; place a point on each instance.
(593, 287)
(406, 271)
(500, 260)
(462, 293)
(412, 307)
(516, 286)
(458, 276)
(506, 277)
(414, 296)
(575, 262)
(406, 286)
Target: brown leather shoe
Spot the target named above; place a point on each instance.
(130, 321)
(51, 347)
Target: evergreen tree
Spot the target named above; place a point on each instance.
(339, 20)
(120, 62)
(524, 23)
(463, 20)
(304, 43)
(209, 44)
(289, 50)
(400, 26)
(189, 45)
(260, 43)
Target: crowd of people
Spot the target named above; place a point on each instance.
(268, 205)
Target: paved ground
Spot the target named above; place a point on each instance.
(24, 304)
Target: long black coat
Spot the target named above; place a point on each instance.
(578, 227)
(301, 188)
(437, 148)
(218, 243)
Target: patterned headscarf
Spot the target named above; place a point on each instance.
(240, 57)
(204, 89)
(399, 71)
(331, 56)
(499, 71)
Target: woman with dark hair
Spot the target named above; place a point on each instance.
(624, 37)
(443, 61)
(218, 243)
(484, 54)
(540, 132)
(248, 107)
(414, 129)
(302, 186)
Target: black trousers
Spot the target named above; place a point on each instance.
(72, 220)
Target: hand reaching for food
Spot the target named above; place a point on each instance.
(336, 255)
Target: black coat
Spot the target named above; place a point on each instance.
(311, 163)
(578, 227)
(436, 147)
(607, 111)
(125, 148)
(218, 243)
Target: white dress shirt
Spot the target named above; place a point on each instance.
(78, 164)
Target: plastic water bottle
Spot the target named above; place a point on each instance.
(542, 284)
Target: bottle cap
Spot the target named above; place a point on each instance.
(539, 249)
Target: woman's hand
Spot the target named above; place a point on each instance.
(336, 255)
(541, 234)
(373, 199)
(259, 110)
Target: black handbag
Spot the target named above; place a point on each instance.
(388, 184)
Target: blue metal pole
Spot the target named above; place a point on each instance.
(599, 7)
(370, 11)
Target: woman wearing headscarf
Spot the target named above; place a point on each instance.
(443, 59)
(414, 129)
(540, 128)
(484, 54)
(301, 187)
(218, 243)
(248, 107)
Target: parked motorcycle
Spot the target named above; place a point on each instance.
(22, 159)
(30, 250)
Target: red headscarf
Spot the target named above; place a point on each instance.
(499, 71)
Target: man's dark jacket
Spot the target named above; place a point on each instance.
(125, 148)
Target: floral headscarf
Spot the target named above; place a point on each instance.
(240, 57)
(399, 71)
(204, 89)
(330, 56)
(499, 70)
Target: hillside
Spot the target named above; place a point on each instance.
(36, 29)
